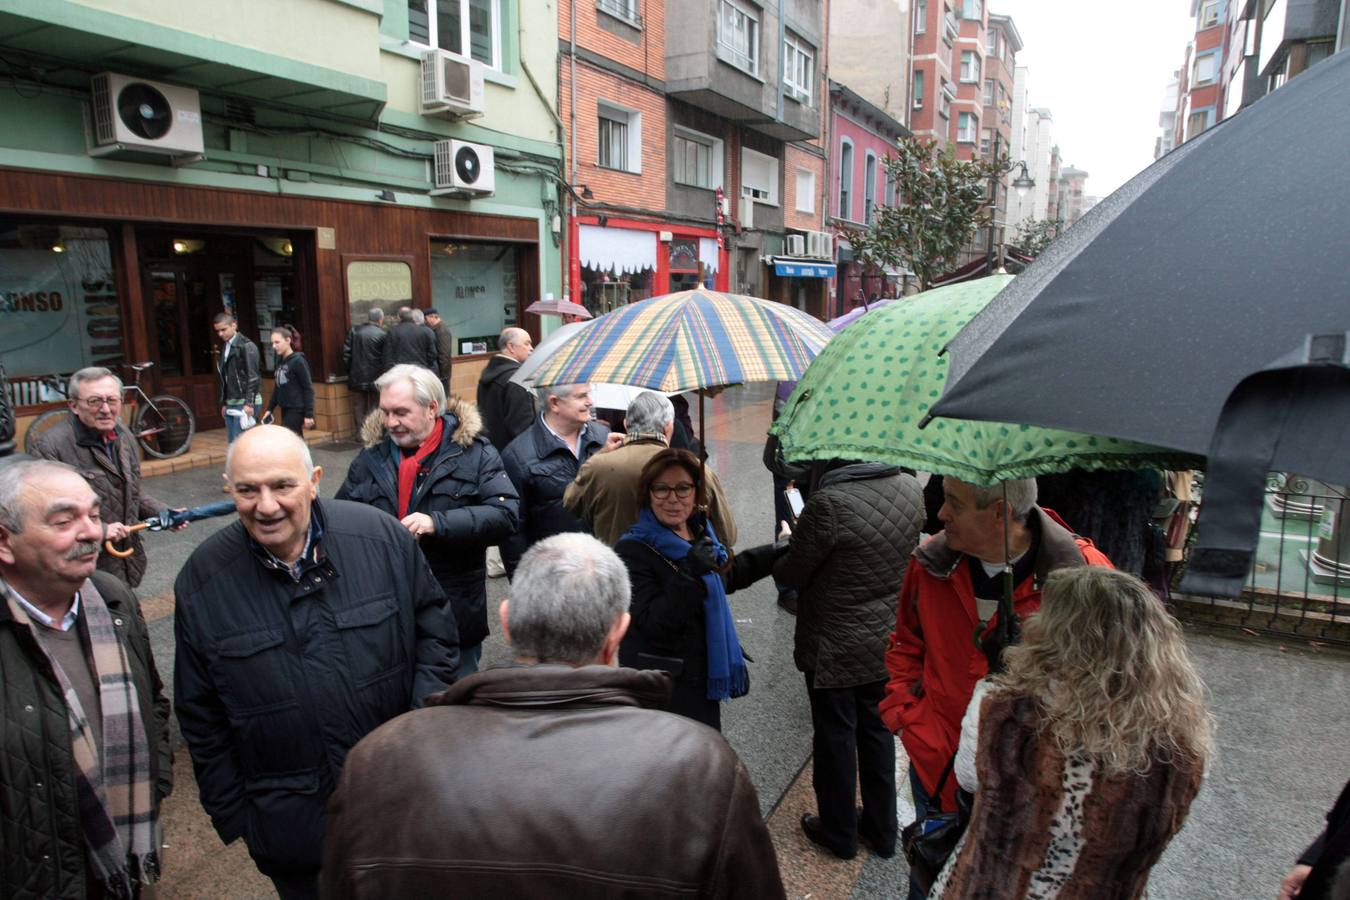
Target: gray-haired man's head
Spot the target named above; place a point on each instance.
(568, 602)
(375, 315)
(650, 413)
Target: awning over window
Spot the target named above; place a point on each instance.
(791, 267)
(616, 249)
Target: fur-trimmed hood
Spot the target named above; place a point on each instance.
(468, 423)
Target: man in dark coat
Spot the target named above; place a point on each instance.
(299, 629)
(410, 342)
(445, 346)
(593, 791)
(240, 377)
(846, 562)
(94, 441)
(507, 407)
(363, 356)
(84, 736)
(1323, 870)
(543, 460)
(453, 496)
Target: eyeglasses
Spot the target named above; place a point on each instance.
(92, 403)
(663, 491)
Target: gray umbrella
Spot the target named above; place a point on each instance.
(1204, 306)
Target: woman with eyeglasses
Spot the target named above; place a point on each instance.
(681, 575)
(294, 391)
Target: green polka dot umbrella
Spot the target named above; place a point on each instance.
(863, 397)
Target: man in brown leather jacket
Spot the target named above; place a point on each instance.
(556, 777)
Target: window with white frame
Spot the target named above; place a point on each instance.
(986, 140)
(967, 127)
(920, 16)
(738, 35)
(918, 88)
(620, 138)
(621, 9)
(971, 9)
(970, 65)
(798, 68)
(869, 187)
(467, 27)
(697, 159)
(989, 92)
(805, 200)
(945, 97)
(991, 45)
(846, 179)
(1206, 68)
(759, 177)
(1209, 13)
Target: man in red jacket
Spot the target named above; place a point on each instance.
(949, 597)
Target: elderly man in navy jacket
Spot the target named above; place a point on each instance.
(300, 628)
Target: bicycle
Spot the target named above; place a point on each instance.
(162, 425)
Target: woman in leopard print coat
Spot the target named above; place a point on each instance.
(1085, 754)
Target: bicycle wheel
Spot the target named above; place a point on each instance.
(165, 426)
(40, 426)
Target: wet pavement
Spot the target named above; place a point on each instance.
(1284, 730)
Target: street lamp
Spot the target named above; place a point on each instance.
(1022, 183)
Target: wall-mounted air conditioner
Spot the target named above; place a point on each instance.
(820, 245)
(464, 169)
(451, 83)
(747, 212)
(144, 116)
(796, 245)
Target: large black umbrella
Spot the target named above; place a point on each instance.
(1204, 306)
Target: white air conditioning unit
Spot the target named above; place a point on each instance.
(747, 212)
(796, 245)
(145, 116)
(820, 245)
(451, 83)
(464, 169)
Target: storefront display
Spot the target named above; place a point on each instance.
(476, 288)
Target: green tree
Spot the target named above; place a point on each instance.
(940, 201)
(1034, 235)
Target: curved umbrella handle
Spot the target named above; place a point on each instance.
(123, 554)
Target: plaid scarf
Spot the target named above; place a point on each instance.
(113, 788)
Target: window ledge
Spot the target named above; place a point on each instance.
(414, 51)
(695, 187)
(620, 171)
(618, 16)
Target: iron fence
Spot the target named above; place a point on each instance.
(1299, 585)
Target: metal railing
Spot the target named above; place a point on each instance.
(1299, 585)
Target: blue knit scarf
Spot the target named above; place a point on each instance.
(727, 676)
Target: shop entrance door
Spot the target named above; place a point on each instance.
(180, 316)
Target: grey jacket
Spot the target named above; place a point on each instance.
(847, 559)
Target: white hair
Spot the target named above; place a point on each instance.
(90, 373)
(1021, 495)
(649, 413)
(561, 391)
(14, 474)
(567, 593)
(426, 386)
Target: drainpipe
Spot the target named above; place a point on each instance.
(573, 232)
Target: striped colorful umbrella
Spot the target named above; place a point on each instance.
(689, 341)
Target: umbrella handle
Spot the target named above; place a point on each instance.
(123, 554)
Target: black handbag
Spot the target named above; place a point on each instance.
(929, 841)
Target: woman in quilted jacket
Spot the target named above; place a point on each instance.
(846, 561)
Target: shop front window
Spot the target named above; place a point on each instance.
(476, 289)
(604, 290)
(59, 308)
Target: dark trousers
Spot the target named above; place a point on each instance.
(294, 419)
(296, 884)
(921, 802)
(852, 748)
(362, 403)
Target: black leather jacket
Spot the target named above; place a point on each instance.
(239, 377)
(363, 356)
(409, 342)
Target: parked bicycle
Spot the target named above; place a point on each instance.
(162, 425)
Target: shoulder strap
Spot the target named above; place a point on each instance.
(935, 803)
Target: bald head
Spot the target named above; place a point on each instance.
(515, 343)
(272, 437)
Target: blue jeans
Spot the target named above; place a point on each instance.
(921, 800)
(469, 658)
(232, 429)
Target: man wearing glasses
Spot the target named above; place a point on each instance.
(95, 441)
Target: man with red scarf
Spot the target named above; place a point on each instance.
(428, 463)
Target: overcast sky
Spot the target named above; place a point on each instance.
(1101, 68)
